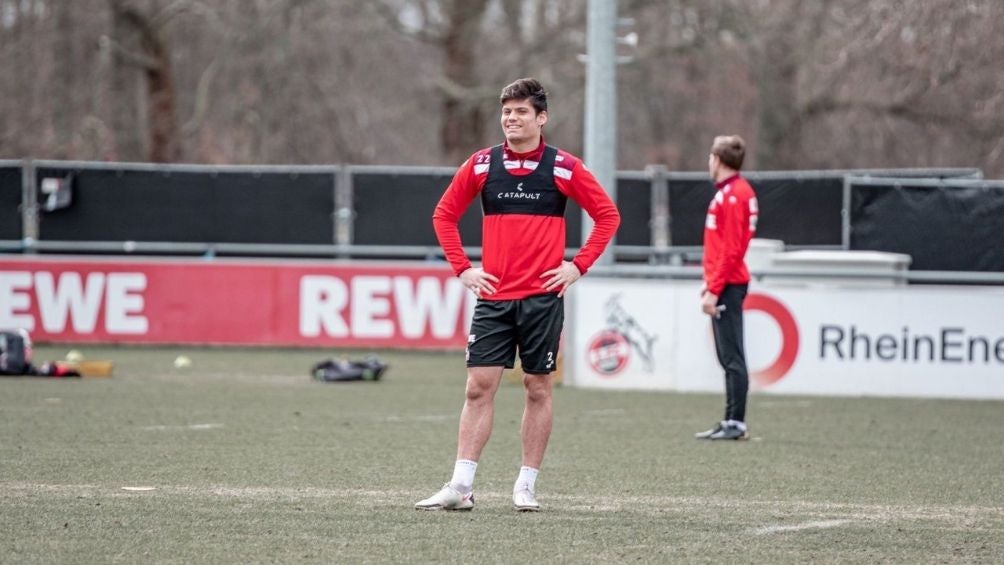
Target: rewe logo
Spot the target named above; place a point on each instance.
(382, 307)
(67, 302)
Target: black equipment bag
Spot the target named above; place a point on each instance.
(15, 358)
(342, 370)
(15, 354)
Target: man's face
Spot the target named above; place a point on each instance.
(713, 163)
(520, 122)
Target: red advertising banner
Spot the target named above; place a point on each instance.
(235, 302)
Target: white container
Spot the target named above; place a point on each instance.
(761, 252)
(842, 268)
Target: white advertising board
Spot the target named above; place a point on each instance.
(945, 342)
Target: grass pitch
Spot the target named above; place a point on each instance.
(242, 458)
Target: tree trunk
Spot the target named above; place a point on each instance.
(463, 107)
(154, 58)
(778, 128)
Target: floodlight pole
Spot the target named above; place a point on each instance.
(600, 129)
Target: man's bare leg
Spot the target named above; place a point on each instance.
(537, 419)
(535, 431)
(477, 417)
(475, 429)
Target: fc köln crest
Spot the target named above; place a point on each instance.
(612, 348)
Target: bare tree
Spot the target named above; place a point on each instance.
(880, 84)
(149, 51)
(454, 27)
(812, 83)
(690, 80)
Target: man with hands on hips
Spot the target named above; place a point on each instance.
(523, 185)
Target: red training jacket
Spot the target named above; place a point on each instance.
(728, 229)
(519, 248)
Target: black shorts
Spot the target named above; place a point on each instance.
(531, 325)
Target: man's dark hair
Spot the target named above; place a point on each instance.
(731, 149)
(526, 89)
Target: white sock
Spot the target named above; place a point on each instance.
(737, 423)
(463, 475)
(527, 479)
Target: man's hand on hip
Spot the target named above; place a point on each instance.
(478, 281)
(561, 277)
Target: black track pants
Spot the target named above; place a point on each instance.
(728, 330)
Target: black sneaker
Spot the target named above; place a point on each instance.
(708, 433)
(730, 432)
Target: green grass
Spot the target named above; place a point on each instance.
(252, 461)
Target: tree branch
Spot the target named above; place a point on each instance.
(427, 34)
(130, 57)
(467, 94)
(201, 99)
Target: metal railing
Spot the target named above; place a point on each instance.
(660, 252)
(819, 273)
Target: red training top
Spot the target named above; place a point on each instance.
(519, 247)
(728, 229)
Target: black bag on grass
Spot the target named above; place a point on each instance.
(15, 358)
(343, 370)
(15, 353)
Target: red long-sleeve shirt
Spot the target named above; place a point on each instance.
(728, 229)
(518, 248)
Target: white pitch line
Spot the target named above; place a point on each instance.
(186, 427)
(605, 412)
(816, 525)
(784, 404)
(855, 512)
(421, 418)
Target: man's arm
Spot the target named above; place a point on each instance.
(446, 217)
(734, 220)
(587, 192)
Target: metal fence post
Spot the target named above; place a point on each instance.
(29, 206)
(845, 215)
(661, 219)
(344, 214)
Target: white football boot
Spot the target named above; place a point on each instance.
(523, 500)
(448, 498)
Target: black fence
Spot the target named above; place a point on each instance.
(799, 210)
(944, 225)
(393, 207)
(10, 201)
(190, 206)
(360, 211)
